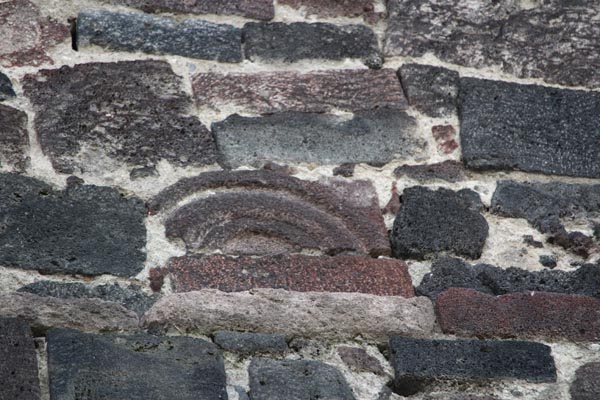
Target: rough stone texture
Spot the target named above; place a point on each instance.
(315, 91)
(586, 385)
(26, 35)
(6, 89)
(530, 128)
(135, 367)
(449, 171)
(359, 360)
(431, 222)
(299, 273)
(520, 40)
(133, 112)
(372, 136)
(548, 261)
(257, 9)
(278, 41)
(103, 231)
(18, 361)
(251, 343)
(14, 140)
(333, 8)
(263, 212)
(527, 315)
(445, 138)
(130, 297)
(293, 314)
(417, 362)
(346, 170)
(296, 380)
(132, 31)
(451, 272)
(43, 313)
(429, 89)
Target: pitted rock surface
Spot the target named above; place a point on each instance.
(103, 232)
(14, 140)
(291, 272)
(288, 43)
(132, 31)
(371, 136)
(430, 222)
(136, 367)
(333, 8)
(449, 171)
(530, 128)
(133, 112)
(520, 40)
(18, 361)
(6, 89)
(251, 343)
(586, 385)
(314, 91)
(431, 90)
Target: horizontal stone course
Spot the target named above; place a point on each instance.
(251, 343)
(131, 31)
(449, 171)
(384, 277)
(332, 8)
(18, 361)
(6, 89)
(14, 139)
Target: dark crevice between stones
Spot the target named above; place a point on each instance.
(73, 30)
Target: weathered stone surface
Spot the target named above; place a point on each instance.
(586, 385)
(451, 272)
(431, 90)
(299, 273)
(431, 222)
(519, 39)
(359, 360)
(278, 41)
(14, 140)
(103, 231)
(548, 261)
(296, 380)
(43, 313)
(26, 35)
(257, 9)
(293, 314)
(133, 112)
(445, 138)
(528, 127)
(417, 362)
(132, 31)
(6, 89)
(315, 91)
(263, 212)
(378, 136)
(136, 367)
(18, 361)
(449, 171)
(130, 297)
(251, 343)
(528, 315)
(332, 8)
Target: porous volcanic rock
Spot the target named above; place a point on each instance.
(19, 378)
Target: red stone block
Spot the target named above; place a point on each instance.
(526, 315)
(384, 277)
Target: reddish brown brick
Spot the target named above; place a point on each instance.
(317, 91)
(527, 315)
(333, 8)
(385, 277)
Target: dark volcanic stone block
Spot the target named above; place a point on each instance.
(85, 229)
(431, 90)
(133, 112)
(438, 221)
(130, 297)
(528, 315)
(449, 171)
(135, 367)
(586, 385)
(451, 272)
(373, 136)
(299, 273)
(530, 128)
(258, 9)
(417, 362)
(18, 361)
(520, 40)
(251, 343)
(296, 380)
(278, 41)
(315, 91)
(14, 139)
(130, 31)
(332, 8)
(6, 89)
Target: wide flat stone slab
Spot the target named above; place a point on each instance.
(14, 139)
(18, 361)
(531, 128)
(136, 367)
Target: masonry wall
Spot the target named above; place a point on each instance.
(299, 199)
